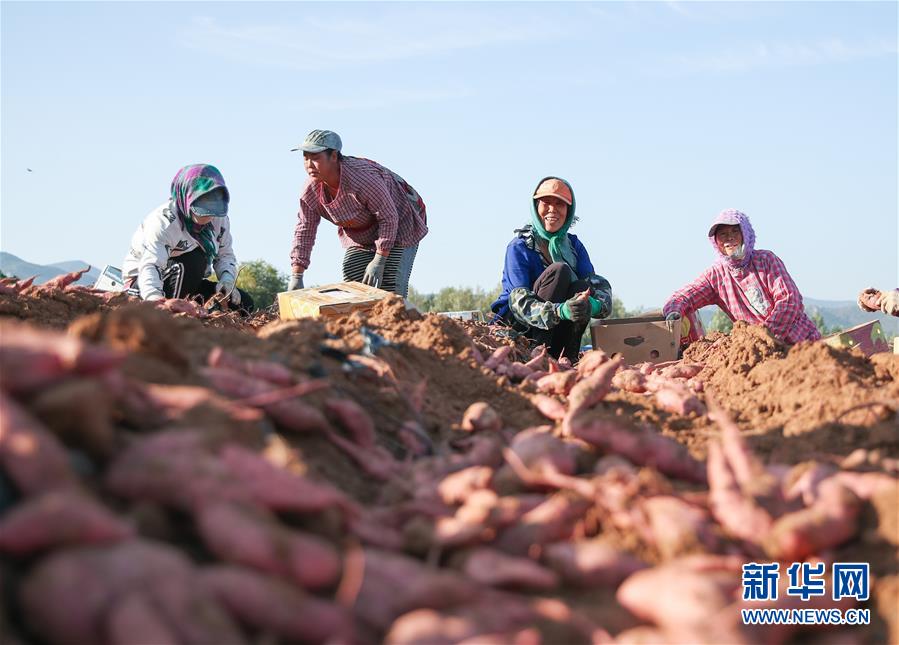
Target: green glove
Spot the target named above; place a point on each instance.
(595, 307)
(564, 311)
(576, 310)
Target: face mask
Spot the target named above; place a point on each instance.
(739, 253)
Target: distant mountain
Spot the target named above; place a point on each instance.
(13, 265)
(842, 314)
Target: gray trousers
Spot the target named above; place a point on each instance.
(396, 273)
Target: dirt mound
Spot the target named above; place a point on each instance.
(214, 436)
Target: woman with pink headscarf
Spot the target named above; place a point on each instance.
(748, 284)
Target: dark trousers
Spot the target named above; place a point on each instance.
(558, 283)
(184, 277)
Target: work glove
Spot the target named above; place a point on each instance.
(867, 299)
(889, 302)
(295, 282)
(154, 296)
(227, 287)
(576, 309)
(374, 272)
(673, 317)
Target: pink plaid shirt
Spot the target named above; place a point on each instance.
(374, 207)
(762, 293)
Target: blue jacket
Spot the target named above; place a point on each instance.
(524, 264)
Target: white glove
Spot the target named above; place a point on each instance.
(374, 272)
(154, 296)
(295, 282)
(889, 302)
(227, 287)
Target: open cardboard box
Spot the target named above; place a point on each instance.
(868, 337)
(640, 339)
(328, 301)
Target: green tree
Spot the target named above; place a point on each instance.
(262, 281)
(454, 299)
(818, 319)
(720, 322)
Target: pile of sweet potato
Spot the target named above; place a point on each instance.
(134, 511)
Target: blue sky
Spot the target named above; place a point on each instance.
(660, 115)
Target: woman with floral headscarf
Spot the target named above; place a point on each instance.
(748, 284)
(550, 291)
(180, 243)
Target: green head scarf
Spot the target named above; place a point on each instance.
(560, 249)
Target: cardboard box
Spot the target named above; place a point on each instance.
(868, 337)
(110, 279)
(328, 301)
(646, 338)
(475, 314)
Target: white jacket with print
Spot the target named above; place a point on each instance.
(162, 236)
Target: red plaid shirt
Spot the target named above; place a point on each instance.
(374, 207)
(761, 294)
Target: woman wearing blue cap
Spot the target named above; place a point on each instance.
(179, 244)
(380, 218)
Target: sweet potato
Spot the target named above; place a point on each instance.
(681, 370)
(411, 586)
(254, 538)
(630, 380)
(80, 411)
(278, 489)
(677, 526)
(737, 512)
(549, 407)
(39, 358)
(829, 522)
(557, 382)
(270, 371)
(538, 359)
(640, 446)
(59, 518)
(590, 563)
(290, 414)
(456, 487)
(684, 592)
(495, 569)
(499, 357)
(272, 605)
(132, 617)
(590, 361)
(594, 388)
(71, 594)
(480, 417)
(375, 461)
(516, 371)
(678, 399)
(354, 420)
(63, 281)
(551, 521)
(33, 458)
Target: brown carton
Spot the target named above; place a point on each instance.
(868, 337)
(328, 301)
(646, 338)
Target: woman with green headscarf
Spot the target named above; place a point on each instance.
(550, 290)
(183, 241)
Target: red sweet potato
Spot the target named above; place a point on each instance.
(496, 569)
(590, 563)
(538, 359)
(590, 361)
(290, 414)
(456, 487)
(412, 586)
(59, 518)
(681, 370)
(516, 371)
(354, 420)
(270, 371)
(278, 489)
(31, 359)
(33, 458)
(549, 407)
(557, 382)
(551, 521)
(630, 380)
(640, 446)
(737, 512)
(594, 388)
(499, 357)
(480, 417)
(133, 616)
(270, 604)
(375, 461)
(829, 522)
(678, 399)
(63, 281)
(677, 526)
(254, 538)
